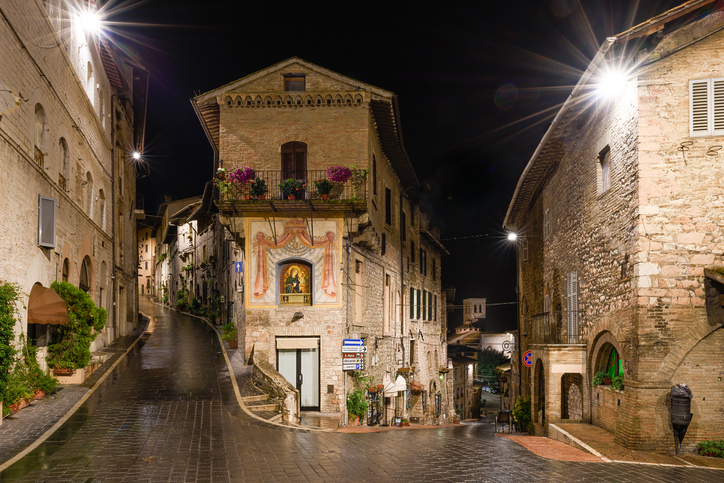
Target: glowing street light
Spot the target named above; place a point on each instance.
(91, 21)
(611, 83)
(512, 236)
(136, 155)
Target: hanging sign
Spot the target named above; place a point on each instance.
(351, 348)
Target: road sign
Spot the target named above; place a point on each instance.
(354, 342)
(351, 348)
(353, 355)
(528, 358)
(238, 267)
(352, 367)
(352, 360)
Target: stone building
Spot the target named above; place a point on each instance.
(74, 111)
(146, 261)
(619, 217)
(363, 264)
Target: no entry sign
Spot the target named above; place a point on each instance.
(528, 358)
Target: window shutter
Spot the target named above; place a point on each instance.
(718, 106)
(572, 308)
(46, 222)
(429, 305)
(699, 107)
(412, 303)
(424, 304)
(418, 303)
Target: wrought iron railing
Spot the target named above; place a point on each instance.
(545, 328)
(355, 188)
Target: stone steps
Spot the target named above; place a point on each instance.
(264, 407)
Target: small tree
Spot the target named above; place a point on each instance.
(521, 412)
(71, 343)
(488, 360)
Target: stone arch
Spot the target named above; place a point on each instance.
(248, 101)
(358, 99)
(308, 100)
(338, 100)
(319, 101)
(686, 342)
(85, 276)
(328, 100)
(572, 396)
(257, 101)
(292, 137)
(298, 100)
(237, 100)
(288, 101)
(278, 101)
(601, 350)
(228, 101)
(268, 101)
(348, 100)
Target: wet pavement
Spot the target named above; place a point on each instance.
(168, 412)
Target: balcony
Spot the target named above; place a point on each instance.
(545, 328)
(348, 196)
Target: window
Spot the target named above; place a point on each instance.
(435, 308)
(90, 82)
(412, 251)
(412, 213)
(417, 305)
(546, 224)
(412, 352)
(403, 226)
(85, 275)
(294, 82)
(603, 170)
(434, 268)
(89, 194)
(388, 206)
(524, 245)
(146, 265)
(102, 208)
(374, 175)
(572, 308)
(424, 305)
(412, 303)
(386, 305)
(64, 164)
(358, 292)
(147, 249)
(706, 107)
(294, 160)
(66, 270)
(383, 247)
(40, 130)
(429, 305)
(46, 222)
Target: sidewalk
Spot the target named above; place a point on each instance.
(24, 428)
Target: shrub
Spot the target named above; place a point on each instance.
(711, 448)
(9, 297)
(258, 187)
(28, 367)
(598, 378)
(521, 412)
(292, 187)
(229, 332)
(70, 347)
(617, 383)
(356, 404)
(17, 388)
(323, 186)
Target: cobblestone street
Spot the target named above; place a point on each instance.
(167, 412)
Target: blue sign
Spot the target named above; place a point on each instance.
(239, 267)
(528, 358)
(354, 342)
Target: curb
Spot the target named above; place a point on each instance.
(71, 411)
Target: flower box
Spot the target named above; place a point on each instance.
(77, 376)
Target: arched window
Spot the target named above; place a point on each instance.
(90, 83)
(102, 208)
(40, 128)
(63, 159)
(295, 283)
(294, 160)
(89, 194)
(84, 282)
(66, 270)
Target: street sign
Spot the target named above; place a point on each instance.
(351, 348)
(354, 342)
(528, 358)
(352, 367)
(353, 360)
(238, 267)
(353, 355)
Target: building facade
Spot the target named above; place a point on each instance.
(363, 264)
(74, 112)
(619, 221)
(146, 261)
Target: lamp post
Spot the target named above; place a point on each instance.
(513, 238)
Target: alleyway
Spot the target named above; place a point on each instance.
(167, 413)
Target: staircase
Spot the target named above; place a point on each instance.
(264, 407)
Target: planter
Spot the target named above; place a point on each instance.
(354, 421)
(456, 421)
(324, 196)
(291, 197)
(63, 372)
(14, 408)
(606, 381)
(39, 394)
(262, 197)
(233, 344)
(77, 376)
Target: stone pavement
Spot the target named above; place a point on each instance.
(168, 412)
(22, 429)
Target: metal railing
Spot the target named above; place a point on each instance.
(545, 328)
(354, 188)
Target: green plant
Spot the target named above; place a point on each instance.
(292, 187)
(598, 378)
(229, 332)
(521, 412)
(162, 257)
(9, 297)
(617, 382)
(258, 187)
(183, 300)
(188, 268)
(164, 299)
(711, 448)
(70, 347)
(28, 367)
(323, 186)
(356, 404)
(459, 411)
(359, 175)
(17, 388)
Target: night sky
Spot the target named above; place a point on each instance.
(478, 84)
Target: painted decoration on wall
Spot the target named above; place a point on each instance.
(278, 248)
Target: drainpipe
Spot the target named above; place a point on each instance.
(114, 281)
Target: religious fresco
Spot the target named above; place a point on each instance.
(278, 248)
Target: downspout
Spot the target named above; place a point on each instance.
(114, 281)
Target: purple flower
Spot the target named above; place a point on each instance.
(241, 175)
(339, 174)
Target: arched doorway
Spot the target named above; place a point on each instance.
(84, 282)
(539, 394)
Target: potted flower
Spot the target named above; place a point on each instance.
(324, 187)
(598, 378)
(258, 188)
(221, 174)
(292, 189)
(617, 383)
(230, 334)
(458, 414)
(339, 174)
(356, 406)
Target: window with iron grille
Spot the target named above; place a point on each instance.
(572, 308)
(429, 305)
(424, 305)
(706, 107)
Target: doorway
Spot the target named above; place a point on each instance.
(298, 362)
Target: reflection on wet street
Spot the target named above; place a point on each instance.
(167, 413)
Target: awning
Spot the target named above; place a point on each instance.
(46, 307)
(297, 343)
(416, 386)
(401, 383)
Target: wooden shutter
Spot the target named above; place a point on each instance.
(418, 303)
(46, 222)
(412, 303)
(718, 106)
(572, 308)
(699, 107)
(424, 304)
(429, 305)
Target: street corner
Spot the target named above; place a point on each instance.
(551, 449)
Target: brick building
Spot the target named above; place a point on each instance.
(363, 264)
(74, 111)
(619, 218)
